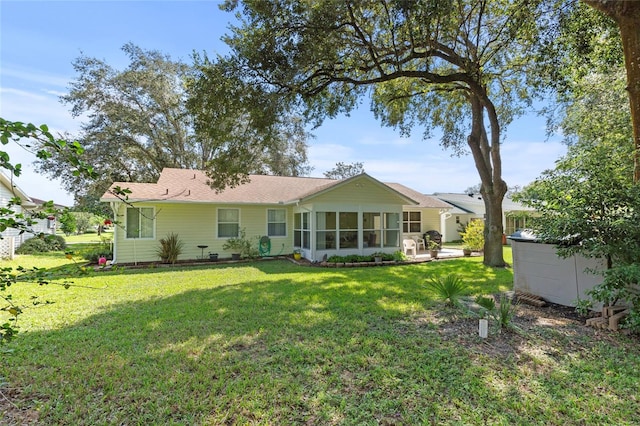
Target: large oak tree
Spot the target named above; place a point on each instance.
(455, 65)
(136, 121)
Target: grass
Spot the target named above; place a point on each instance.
(274, 343)
(90, 237)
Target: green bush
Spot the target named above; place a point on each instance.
(242, 245)
(42, 244)
(473, 235)
(56, 242)
(621, 283)
(33, 245)
(92, 255)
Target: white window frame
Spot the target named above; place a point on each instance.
(270, 222)
(141, 216)
(218, 223)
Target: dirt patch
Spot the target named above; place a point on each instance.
(12, 414)
(536, 331)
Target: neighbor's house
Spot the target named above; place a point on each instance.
(320, 217)
(13, 238)
(468, 207)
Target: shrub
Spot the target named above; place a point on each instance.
(621, 283)
(505, 312)
(242, 245)
(33, 245)
(399, 256)
(449, 289)
(170, 248)
(56, 242)
(473, 235)
(488, 305)
(92, 255)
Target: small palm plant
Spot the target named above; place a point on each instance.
(502, 313)
(505, 312)
(449, 288)
(170, 248)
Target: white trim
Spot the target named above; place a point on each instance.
(218, 222)
(286, 222)
(153, 219)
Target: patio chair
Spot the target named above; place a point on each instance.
(419, 242)
(409, 245)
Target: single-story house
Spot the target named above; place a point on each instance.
(12, 238)
(467, 207)
(317, 216)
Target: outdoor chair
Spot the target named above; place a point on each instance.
(419, 242)
(409, 245)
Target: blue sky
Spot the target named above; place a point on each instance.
(40, 39)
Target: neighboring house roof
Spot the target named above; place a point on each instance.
(424, 201)
(474, 204)
(38, 202)
(185, 185)
(27, 202)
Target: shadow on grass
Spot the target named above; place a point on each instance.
(337, 347)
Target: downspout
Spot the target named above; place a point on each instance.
(114, 209)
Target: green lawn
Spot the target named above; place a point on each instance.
(275, 343)
(90, 237)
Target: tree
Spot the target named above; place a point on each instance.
(343, 170)
(455, 65)
(626, 13)
(26, 135)
(67, 223)
(138, 123)
(589, 201)
(247, 130)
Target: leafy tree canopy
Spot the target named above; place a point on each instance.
(344, 170)
(456, 65)
(589, 201)
(138, 122)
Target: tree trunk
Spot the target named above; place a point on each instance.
(487, 160)
(626, 13)
(493, 228)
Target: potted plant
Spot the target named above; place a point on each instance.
(466, 251)
(433, 247)
(237, 245)
(377, 257)
(297, 255)
(213, 256)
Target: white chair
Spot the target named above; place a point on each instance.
(419, 242)
(409, 245)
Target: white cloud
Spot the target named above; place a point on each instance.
(35, 77)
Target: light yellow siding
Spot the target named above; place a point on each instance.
(196, 224)
(358, 192)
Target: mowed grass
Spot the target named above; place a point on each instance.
(274, 343)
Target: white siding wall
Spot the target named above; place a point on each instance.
(17, 239)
